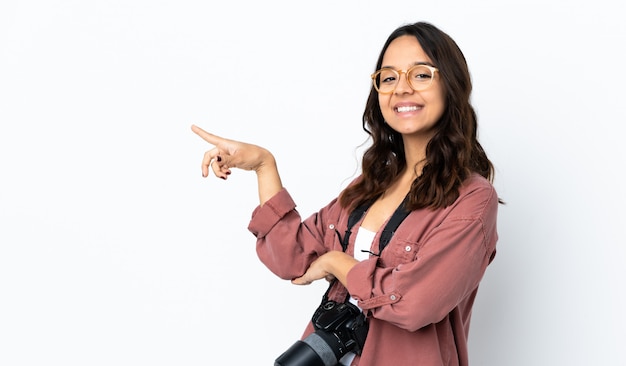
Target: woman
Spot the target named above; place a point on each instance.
(416, 291)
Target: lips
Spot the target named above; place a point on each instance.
(407, 108)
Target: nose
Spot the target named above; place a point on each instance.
(403, 86)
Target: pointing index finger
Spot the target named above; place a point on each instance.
(206, 136)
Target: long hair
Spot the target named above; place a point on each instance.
(452, 154)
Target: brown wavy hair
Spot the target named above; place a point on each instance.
(452, 154)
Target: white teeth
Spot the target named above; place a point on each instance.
(407, 108)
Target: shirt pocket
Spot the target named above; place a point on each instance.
(399, 252)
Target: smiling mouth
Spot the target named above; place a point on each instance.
(411, 108)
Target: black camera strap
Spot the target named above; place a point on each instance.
(396, 219)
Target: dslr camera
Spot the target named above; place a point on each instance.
(339, 328)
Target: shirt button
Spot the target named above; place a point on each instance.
(331, 226)
(407, 248)
(393, 297)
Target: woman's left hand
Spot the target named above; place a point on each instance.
(331, 265)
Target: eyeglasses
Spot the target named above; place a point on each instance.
(419, 78)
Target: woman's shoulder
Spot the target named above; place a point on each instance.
(477, 182)
(477, 196)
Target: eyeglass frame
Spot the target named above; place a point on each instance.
(406, 75)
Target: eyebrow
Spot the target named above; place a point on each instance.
(414, 64)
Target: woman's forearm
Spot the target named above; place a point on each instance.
(268, 179)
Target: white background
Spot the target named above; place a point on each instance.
(114, 250)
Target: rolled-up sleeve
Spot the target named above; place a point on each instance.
(286, 244)
(265, 217)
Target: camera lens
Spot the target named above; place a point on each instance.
(314, 350)
(339, 328)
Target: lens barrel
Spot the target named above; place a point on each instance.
(314, 350)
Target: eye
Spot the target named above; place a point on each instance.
(421, 74)
(387, 80)
(388, 77)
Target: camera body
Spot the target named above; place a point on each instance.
(345, 321)
(339, 328)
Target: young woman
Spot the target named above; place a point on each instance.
(414, 284)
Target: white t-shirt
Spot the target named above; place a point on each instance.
(363, 243)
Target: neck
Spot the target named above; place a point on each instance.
(415, 153)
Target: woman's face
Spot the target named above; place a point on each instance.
(409, 112)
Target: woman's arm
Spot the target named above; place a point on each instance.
(228, 154)
(334, 264)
